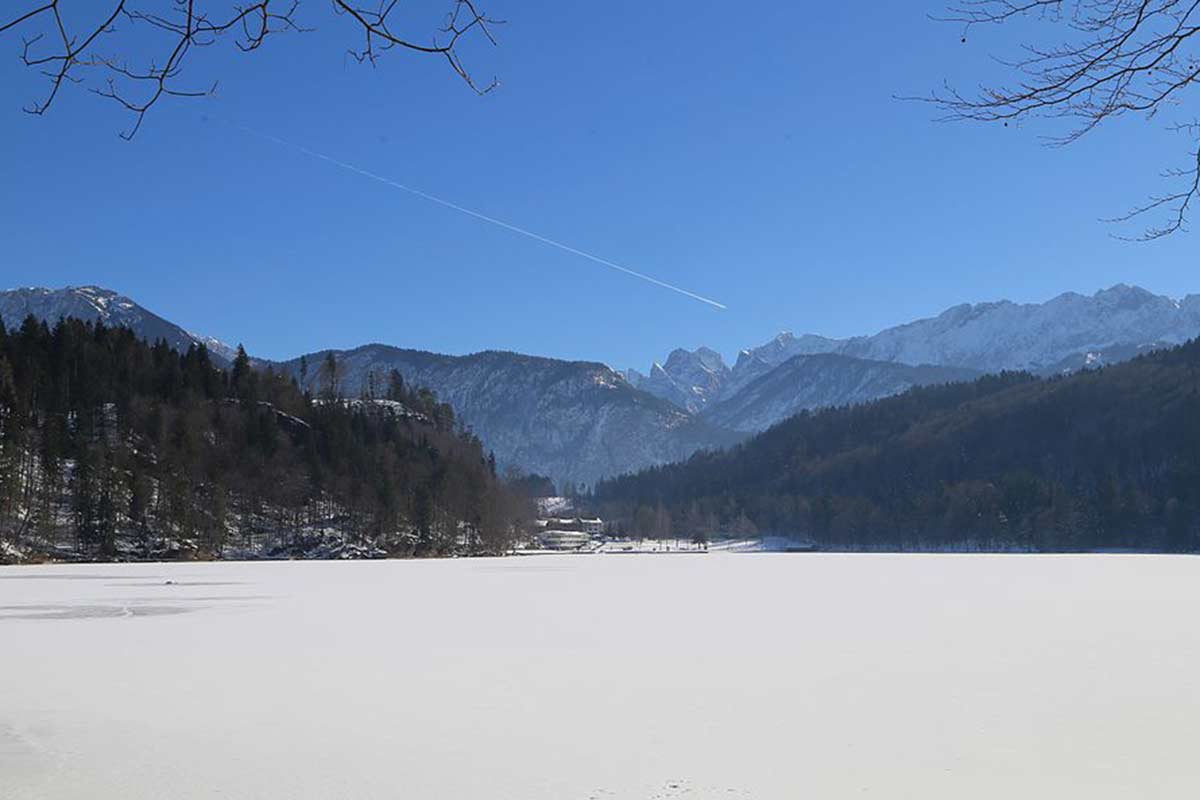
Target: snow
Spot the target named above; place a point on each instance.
(10, 554)
(690, 378)
(554, 506)
(1033, 336)
(565, 678)
(622, 546)
(989, 337)
(97, 303)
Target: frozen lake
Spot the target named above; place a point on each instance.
(603, 678)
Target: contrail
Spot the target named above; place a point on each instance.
(498, 222)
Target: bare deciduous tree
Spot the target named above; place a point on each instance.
(1120, 57)
(69, 44)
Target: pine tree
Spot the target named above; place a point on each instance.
(241, 375)
(331, 378)
(161, 455)
(395, 390)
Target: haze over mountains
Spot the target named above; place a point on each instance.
(582, 421)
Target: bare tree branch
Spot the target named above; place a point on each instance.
(1121, 57)
(65, 55)
(463, 18)
(1177, 203)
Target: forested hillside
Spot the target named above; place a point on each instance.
(574, 421)
(1103, 459)
(112, 447)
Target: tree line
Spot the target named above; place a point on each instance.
(113, 447)
(1108, 458)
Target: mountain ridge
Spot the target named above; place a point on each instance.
(821, 380)
(1098, 459)
(92, 303)
(580, 421)
(1069, 331)
(577, 421)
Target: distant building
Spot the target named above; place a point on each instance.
(567, 533)
(564, 540)
(594, 526)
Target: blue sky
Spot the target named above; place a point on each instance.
(753, 153)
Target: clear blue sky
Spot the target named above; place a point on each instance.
(750, 152)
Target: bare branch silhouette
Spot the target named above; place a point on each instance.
(1120, 57)
(462, 20)
(66, 51)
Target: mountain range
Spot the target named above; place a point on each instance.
(1063, 334)
(95, 304)
(583, 421)
(575, 421)
(1101, 459)
(815, 381)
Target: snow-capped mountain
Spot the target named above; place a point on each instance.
(693, 379)
(816, 381)
(775, 379)
(572, 420)
(690, 378)
(581, 421)
(755, 362)
(1070, 331)
(92, 303)
(771, 382)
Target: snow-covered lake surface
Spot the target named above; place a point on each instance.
(603, 678)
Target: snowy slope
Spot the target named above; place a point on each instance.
(693, 379)
(756, 362)
(690, 378)
(1068, 331)
(817, 381)
(93, 303)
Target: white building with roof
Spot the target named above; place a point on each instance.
(551, 539)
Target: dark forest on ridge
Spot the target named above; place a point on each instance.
(1105, 458)
(113, 447)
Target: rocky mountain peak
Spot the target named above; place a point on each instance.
(98, 304)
